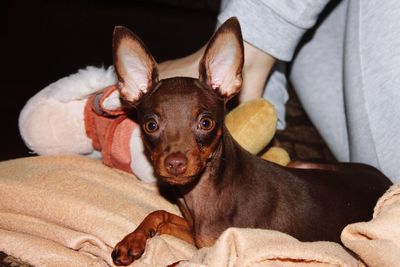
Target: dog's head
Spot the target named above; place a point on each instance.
(181, 118)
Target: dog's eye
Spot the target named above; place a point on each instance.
(150, 126)
(206, 124)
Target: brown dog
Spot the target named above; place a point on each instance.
(221, 184)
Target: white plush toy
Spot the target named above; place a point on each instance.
(54, 121)
(82, 114)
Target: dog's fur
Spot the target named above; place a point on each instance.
(221, 184)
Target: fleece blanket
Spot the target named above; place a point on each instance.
(71, 211)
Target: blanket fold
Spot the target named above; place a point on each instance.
(377, 242)
(256, 247)
(72, 210)
(72, 207)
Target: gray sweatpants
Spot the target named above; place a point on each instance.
(347, 75)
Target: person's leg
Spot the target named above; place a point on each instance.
(348, 78)
(372, 83)
(316, 75)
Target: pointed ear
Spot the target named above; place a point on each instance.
(135, 67)
(222, 62)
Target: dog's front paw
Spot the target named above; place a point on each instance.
(129, 249)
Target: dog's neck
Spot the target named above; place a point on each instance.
(216, 176)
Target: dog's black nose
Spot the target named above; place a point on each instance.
(176, 163)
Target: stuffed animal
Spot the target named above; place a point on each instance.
(253, 125)
(83, 114)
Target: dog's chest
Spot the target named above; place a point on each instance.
(207, 207)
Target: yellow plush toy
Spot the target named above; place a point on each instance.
(253, 125)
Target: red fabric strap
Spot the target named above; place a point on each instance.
(110, 132)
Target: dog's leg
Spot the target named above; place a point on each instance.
(156, 223)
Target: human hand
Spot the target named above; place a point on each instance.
(255, 72)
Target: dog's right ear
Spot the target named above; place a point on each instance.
(222, 62)
(135, 67)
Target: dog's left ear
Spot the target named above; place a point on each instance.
(222, 62)
(135, 67)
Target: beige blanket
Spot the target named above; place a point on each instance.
(71, 211)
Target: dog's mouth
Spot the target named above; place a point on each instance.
(178, 180)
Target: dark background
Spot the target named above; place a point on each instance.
(43, 41)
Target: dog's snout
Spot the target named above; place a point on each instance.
(176, 163)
